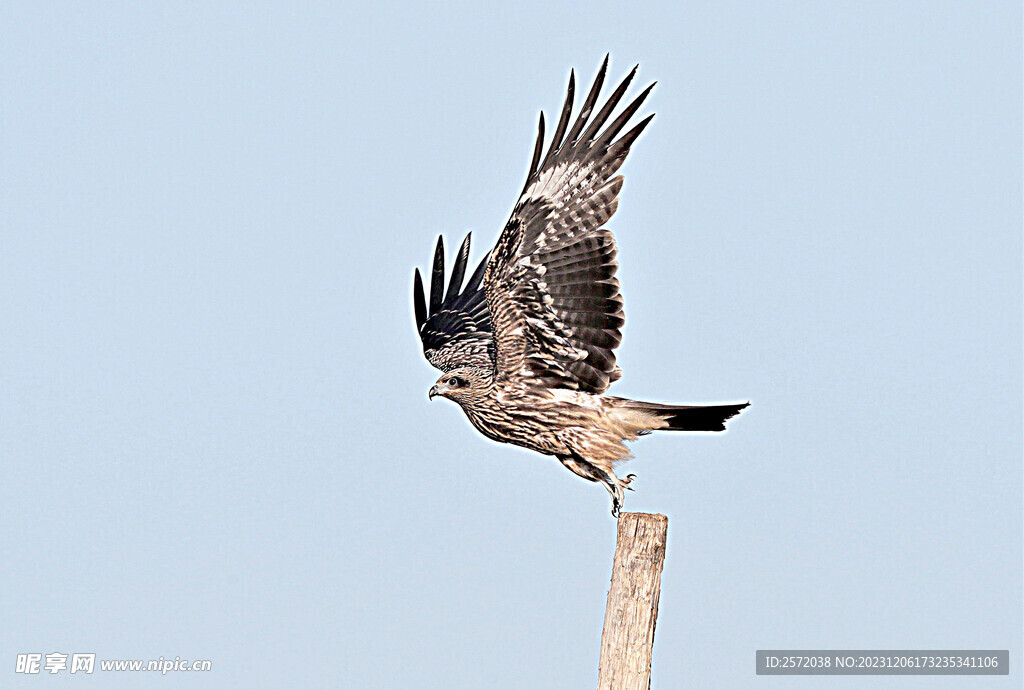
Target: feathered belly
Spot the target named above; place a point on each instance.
(540, 422)
(530, 426)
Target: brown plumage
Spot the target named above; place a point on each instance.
(528, 345)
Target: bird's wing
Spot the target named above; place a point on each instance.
(550, 282)
(456, 327)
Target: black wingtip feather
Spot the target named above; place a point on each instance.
(538, 149)
(609, 106)
(588, 104)
(621, 146)
(627, 113)
(458, 270)
(437, 277)
(563, 120)
(418, 299)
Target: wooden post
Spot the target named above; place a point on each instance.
(632, 609)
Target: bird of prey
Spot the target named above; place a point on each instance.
(527, 346)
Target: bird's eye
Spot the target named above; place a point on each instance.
(455, 381)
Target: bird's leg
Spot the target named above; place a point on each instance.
(580, 467)
(617, 498)
(614, 485)
(595, 473)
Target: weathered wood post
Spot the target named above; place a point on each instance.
(632, 610)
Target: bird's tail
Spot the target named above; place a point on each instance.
(688, 417)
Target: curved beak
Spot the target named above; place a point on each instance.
(434, 391)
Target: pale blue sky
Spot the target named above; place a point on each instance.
(214, 430)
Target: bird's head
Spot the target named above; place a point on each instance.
(463, 385)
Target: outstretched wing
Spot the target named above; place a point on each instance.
(550, 283)
(456, 329)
